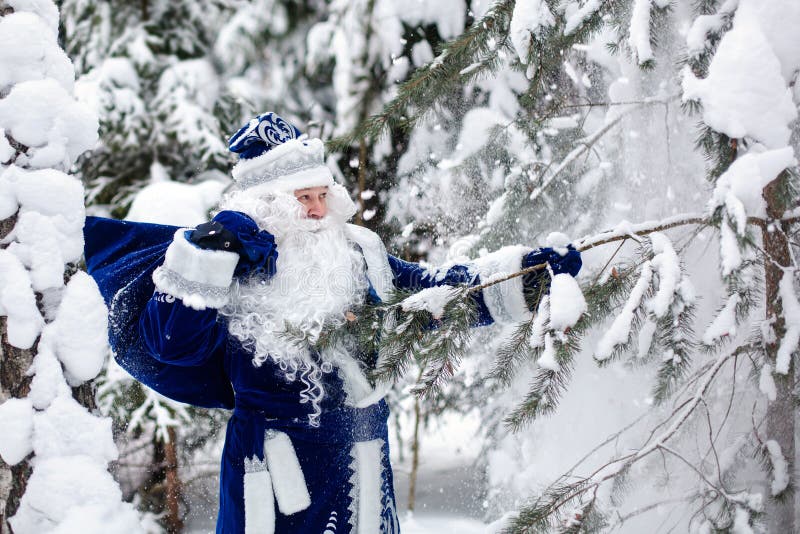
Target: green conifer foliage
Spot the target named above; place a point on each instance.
(548, 161)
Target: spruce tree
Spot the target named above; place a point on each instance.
(148, 71)
(578, 123)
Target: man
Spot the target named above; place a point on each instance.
(306, 449)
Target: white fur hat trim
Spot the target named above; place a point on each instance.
(295, 164)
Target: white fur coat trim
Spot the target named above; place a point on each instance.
(378, 270)
(316, 177)
(366, 494)
(506, 300)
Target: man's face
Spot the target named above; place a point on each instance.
(315, 201)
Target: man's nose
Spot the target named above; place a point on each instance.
(314, 209)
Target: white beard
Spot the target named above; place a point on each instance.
(320, 276)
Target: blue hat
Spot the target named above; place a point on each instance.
(274, 155)
(261, 134)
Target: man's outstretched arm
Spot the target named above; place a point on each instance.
(505, 302)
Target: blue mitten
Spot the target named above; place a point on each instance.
(569, 263)
(236, 232)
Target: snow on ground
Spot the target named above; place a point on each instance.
(430, 524)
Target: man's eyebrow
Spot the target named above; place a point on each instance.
(307, 190)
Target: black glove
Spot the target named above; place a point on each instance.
(213, 236)
(233, 231)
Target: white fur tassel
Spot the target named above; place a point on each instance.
(288, 481)
(259, 503)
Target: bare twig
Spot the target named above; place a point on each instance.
(692, 404)
(658, 444)
(711, 443)
(608, 440)
(642, 102)
(599, 274)
(586, 145)
(730, 399)
(644, 228)
(719, 491)
(644, 509)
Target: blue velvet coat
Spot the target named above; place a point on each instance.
(187, 355)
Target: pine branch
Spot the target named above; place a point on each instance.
(549, 384)
(629, 231)
(540, 515)
(432, 83)
(510, 354)
(442, 346)
(400, 336)
(675, 332)
(410, 334)
(586, 144)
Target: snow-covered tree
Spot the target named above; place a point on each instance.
(147, 70)
(370, 47)
(54, 450)
(581, 129)
(541, 118)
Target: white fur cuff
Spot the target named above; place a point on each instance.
(200, 278)
(317, 177)
(506, 300)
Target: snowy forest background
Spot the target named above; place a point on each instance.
(658, 136)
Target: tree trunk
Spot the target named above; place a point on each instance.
(173, 484)
(14, 364)
(362, 180)
(161, 492)
(14, 382)
(412, 479)
(780, 412)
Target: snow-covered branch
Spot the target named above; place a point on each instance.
(620, 465)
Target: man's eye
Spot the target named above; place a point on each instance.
(324, 195)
